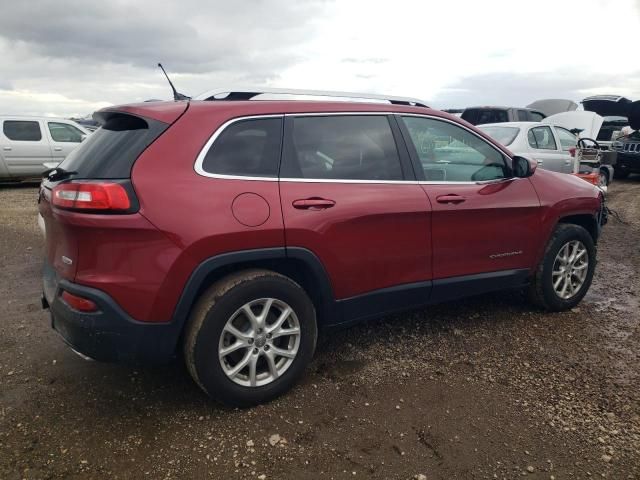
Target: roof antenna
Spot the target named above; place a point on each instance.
(176, 95)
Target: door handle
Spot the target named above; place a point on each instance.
(57, 149)
(313, 204)
(451, 198)
(6, 149)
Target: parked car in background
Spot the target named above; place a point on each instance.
(31, 145)
(483, 115)
(551, 106)
(627, 146)
(615, 112)
(552, 146)
(232, 231)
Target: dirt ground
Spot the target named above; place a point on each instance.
(487, 388)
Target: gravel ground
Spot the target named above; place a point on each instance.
(487, 388)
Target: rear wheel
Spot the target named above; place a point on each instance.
(250, 337)
(564, 275)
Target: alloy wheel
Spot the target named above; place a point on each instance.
(570, 269)
(259, 342)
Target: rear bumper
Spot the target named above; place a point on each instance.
(109, 334)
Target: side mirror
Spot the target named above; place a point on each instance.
(523, 167)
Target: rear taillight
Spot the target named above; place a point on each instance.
(572, 151)
(103, 196)
(79, 303)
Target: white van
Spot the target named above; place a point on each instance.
(31, 145)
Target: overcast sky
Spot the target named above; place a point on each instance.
(71, 57)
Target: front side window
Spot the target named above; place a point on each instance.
(567, 139)
(523, 115)
(248, 148)
(541, 138)
(450, 153)
(22, 130)
(62, 132)
(341, 147)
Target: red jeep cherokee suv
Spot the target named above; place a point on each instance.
(231, 231)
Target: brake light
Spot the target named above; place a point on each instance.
(79, 303)
(572, 151)
(91, 196)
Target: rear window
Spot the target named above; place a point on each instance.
(478, 116)
(111, 151)
(248, 148)
(21, 130)
(503, 135)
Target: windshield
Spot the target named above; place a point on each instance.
(503, 135)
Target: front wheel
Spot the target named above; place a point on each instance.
(250, 337)
(564, 275)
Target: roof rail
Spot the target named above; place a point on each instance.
(249, 93)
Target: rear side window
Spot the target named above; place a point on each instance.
(22, 131)
(541, 138)
(536, 116)
(111, 151)
(342, 147)
(248, 148)
(63, 132)
(523, 115)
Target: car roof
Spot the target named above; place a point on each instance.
(237, 108)
(510, 124)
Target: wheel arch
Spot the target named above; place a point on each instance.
(299, 264)
(584, 220)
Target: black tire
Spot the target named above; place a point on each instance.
(620, 174)
(541, 291)
(209, 316)
(604, 174)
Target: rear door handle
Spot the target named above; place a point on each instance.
(6, 149)
(451, 198)
(313, 204)
(57, 149)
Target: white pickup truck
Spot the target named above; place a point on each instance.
(31, 145)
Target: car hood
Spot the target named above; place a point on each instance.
(551, 106)
(589, 122)
(607, 105)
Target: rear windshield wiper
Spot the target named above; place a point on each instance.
(55, 174)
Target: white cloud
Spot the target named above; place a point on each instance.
(76, 56)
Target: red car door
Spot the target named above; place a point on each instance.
(345, 197)
(484, 221)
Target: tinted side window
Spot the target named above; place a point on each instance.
(492, 116)
(567, 139)
(62, 132)
(248, 148)
(542, 138)
(346, 147)
(450, 153)
(22, 130)
(536, 117)
(523, 115)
